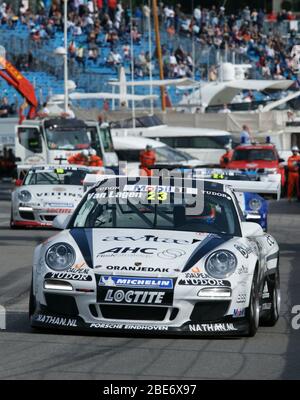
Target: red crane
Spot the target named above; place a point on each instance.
(14, 78)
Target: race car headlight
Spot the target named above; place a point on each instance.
(60, 256)
(255, 204)
(24, 196)
(221, 264)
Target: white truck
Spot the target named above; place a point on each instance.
(53, 140)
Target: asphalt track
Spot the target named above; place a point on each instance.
(274, 353)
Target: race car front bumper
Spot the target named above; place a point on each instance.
(223, 327)
(79, 310)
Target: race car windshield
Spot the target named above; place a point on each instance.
(254, 155)
(67, 139)
(58, 176)
(216, 215)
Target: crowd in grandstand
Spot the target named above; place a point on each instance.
(242, 33)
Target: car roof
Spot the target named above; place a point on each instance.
(255, 147)
(69, 167)
(170, 131)
(135, 143)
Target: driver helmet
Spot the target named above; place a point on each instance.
(208, 214)
(85, 153)
(295, 149)
(92, 152)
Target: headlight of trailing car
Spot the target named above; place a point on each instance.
(60, 256)
(255, 204)
(24, 196)
(221, 264)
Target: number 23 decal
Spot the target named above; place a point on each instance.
(162, 196)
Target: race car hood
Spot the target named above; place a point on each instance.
(144, 252)
(55, 196)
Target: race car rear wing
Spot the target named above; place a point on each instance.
(267, 187)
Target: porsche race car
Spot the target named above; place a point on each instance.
(47, 191)
(144, 256)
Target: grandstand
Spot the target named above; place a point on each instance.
(33, 34)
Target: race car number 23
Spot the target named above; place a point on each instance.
(162, 196)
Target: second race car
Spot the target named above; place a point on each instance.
(47, 191)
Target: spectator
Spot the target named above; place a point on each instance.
(245, 137)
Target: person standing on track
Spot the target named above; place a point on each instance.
(81, 158)
(147, 160)
(94, 160)
(293, 173)
(226, 157)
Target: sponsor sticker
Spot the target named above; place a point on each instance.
(59, 321)
(204, 280)
(239, 312)
(136, 268)
(245, 251)
(159, 189)
(241, 298)
(137, 282)
(130, 327)
(128, 296)
(225, 327)
(148, 238)
(72, 276)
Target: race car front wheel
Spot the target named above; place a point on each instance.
(11, 223)
(32, 301)
(270, 316)
(253, 309)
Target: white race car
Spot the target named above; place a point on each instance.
(47, 191)
(143, 255)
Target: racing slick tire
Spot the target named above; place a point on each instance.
(253, 309)
(32, 300)
(270, 317)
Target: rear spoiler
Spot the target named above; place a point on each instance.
(265, 187)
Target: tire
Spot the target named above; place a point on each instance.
(253, 309)
(32, 301)
(270, 317)
(11, 222)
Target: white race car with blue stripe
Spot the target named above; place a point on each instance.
(146, 255)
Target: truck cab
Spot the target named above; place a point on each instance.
(53, 140)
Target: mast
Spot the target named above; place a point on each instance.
(159, 54)
(66, 98)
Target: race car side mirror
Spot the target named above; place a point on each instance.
(61, 221)
(19, 182)
(251, 229)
